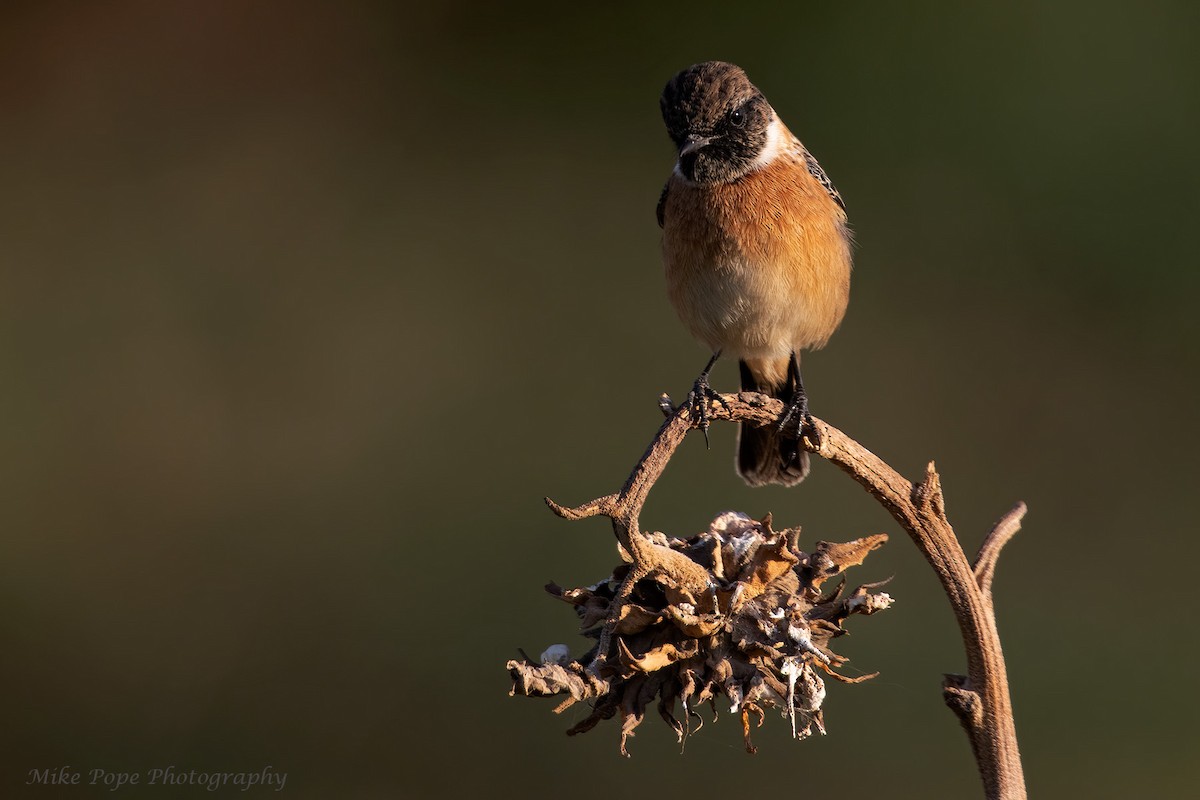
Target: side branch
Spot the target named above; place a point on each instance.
(600, 506)
(989, 551)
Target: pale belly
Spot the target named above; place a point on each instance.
(763, 304)
(743, 309)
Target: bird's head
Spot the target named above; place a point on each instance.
(719, 121)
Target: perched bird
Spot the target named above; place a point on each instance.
(756, 249)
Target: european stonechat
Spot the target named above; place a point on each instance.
(756, 248)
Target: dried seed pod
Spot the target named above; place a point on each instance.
(759, 635)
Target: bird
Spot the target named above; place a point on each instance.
(757, 252)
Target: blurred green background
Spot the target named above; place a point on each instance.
(304, 307)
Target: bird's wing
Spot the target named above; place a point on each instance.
(815, 170)
(662, 203)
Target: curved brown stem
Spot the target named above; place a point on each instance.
(980, 699)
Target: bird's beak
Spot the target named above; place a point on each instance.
(694, 143)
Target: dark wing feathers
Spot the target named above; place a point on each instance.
(815, 170)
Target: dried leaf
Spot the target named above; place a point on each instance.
(635, 619)
(693, 625)
(830, 559)
(771, 560)
(656, 659)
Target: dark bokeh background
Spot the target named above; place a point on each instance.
(304, 307)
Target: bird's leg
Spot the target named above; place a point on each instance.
(799, 405)
(701, 395)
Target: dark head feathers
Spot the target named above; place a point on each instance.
(717, 119)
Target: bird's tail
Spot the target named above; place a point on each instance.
(765, 456)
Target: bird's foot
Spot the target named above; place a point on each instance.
(806, 429)
(699, 402)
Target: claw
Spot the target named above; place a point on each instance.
(701, 395)
(697, 401)
(799, 405)
(813, 435)
(807, 429)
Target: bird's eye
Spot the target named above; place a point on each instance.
(737, 118)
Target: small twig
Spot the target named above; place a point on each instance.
(989, 551)
(980, 699)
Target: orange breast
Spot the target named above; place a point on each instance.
(760, 267)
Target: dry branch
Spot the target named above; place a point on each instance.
(980, 699)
